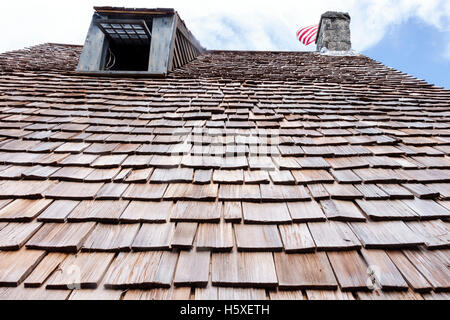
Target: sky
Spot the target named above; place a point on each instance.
(410, 35)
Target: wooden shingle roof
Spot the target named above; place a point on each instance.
(242, 175)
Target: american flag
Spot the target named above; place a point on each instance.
(307, 35)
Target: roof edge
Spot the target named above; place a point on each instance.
(123, 10)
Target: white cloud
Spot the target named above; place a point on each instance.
(231, 24)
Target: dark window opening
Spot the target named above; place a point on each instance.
(128, 44)
(127, 57)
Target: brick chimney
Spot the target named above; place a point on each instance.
(334, 32)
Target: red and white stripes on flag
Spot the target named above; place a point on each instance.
(307, 35)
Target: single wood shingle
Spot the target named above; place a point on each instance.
(141, 270)
(351, 271)
(153, 236)
(265, 212)
(111, 238)
(61, 237)
(89, 268)
(260, 270)
(192, 268)
(333, 235)
(304, 271)
(257, 237)
(386, 235)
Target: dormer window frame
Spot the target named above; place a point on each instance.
(171, 44)
(117, 25)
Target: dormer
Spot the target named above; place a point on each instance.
(136, 42)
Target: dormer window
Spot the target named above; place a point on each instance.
(136, 42)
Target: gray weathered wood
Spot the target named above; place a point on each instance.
(93, 49)
(161, 47)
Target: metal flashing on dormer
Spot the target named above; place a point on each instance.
(136, 42)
